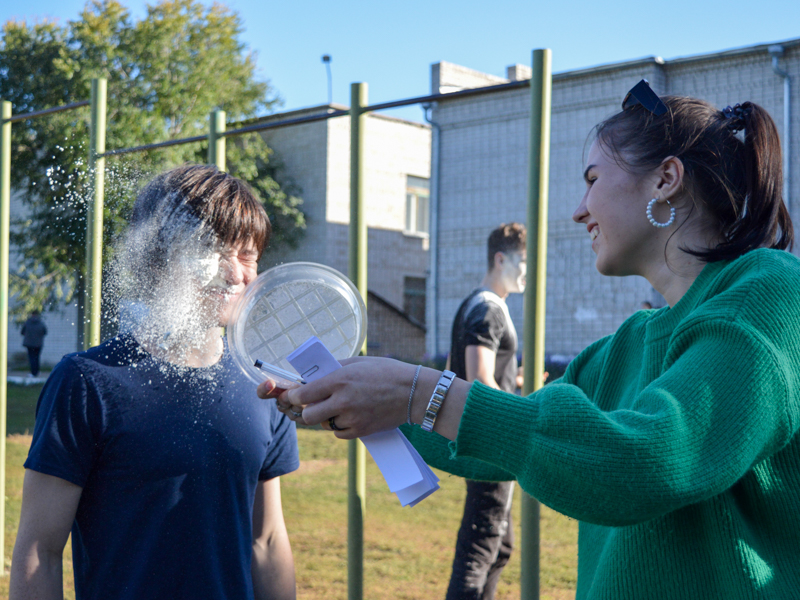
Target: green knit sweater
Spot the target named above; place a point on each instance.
(673, 442)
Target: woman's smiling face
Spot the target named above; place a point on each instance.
(614, 212)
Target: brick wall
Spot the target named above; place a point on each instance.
(317, 157)
(483, 178)
(391, 333)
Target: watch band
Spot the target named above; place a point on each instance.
(437, 398)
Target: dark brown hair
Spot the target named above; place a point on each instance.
(737, 181)
(192, 208)
(217, 200)
(508, 237)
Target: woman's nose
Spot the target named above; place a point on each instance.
(580, 212)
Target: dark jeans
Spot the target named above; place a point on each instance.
(33, 359)
(484, 541)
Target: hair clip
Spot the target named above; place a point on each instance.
(735, 117)
(641, 94)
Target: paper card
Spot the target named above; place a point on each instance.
(412, 495)
(394, 459)
(312, 360)
(405, 472)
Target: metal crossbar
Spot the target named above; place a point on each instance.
(46, 111)
(156, 145)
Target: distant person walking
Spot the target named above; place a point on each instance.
(33, 332)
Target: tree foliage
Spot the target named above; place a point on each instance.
(166, 73)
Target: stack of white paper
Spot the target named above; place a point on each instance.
(401, 465)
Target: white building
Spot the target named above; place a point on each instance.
(316, 156)
(480, 152)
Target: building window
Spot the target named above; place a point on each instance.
(418, 194)
(414, 298)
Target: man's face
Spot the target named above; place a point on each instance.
(514, 270)
(238, 266)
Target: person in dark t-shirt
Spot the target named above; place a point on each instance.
(484, 348)
(153, 448)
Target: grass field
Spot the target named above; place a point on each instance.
(408, 551)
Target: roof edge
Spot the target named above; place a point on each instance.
(657, 60)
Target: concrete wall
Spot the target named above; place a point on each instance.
(317, 157)
(483, 178)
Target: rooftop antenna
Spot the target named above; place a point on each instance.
(326, 58)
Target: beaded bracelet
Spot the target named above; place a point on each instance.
(411, 395)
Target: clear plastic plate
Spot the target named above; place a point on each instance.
(288, 304)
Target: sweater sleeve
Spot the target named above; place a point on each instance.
(719, 406)
(436, 450)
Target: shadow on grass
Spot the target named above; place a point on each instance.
(21, 407)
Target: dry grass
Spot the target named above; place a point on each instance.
(407, 551)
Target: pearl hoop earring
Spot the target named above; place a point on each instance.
(652, 220)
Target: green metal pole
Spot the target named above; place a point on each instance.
(535, 295)
(5, 217)
(94, 221)
(357, 269)
(216, 142)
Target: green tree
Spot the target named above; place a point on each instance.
(165, 74)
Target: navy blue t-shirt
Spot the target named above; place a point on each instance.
(168, 458)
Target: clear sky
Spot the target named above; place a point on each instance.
(391, 45)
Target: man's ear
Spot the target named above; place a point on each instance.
(499, 259)
(669, 181)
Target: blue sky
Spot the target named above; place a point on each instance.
(391, 45)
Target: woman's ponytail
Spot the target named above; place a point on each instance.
(765, 221)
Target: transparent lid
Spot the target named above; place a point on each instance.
(288, 304)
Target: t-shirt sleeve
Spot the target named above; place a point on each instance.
(282, 454)
(68, 426)
(484, 326)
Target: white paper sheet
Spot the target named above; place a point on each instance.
(405, 472)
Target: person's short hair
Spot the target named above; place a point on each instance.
(223, 203)
(508, 237)
(190, 207)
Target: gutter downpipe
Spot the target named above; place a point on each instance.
(433, 343)
(776, 52)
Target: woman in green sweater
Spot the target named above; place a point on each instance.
(673, 441)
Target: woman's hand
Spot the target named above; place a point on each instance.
(365, 396)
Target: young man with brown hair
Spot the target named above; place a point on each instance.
(484, 348)
(153, 448)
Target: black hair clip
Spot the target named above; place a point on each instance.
(641, 94)
(736, 116)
